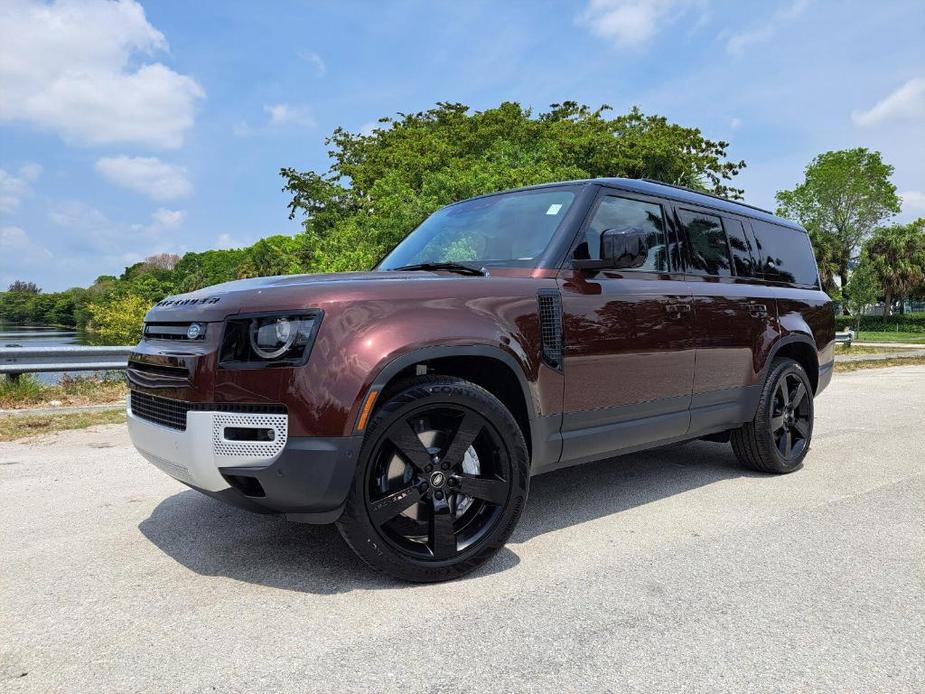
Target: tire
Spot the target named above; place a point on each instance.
(441, 481)
(778, 438)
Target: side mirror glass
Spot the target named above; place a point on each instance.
(621, 249)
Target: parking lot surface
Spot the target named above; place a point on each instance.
(669, 570)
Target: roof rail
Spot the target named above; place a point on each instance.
(709, 195)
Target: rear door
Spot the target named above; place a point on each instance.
(735, 316)
(628, 353)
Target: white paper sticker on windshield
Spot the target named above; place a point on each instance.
(554, 209)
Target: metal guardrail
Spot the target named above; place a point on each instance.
(19, 360)
(845, 338)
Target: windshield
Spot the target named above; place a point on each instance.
(510, 229)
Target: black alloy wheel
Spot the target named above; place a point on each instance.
(778, 438)
(439, 480)
(442, 479)
(791, 417)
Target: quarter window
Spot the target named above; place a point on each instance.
(623, 213)
(786, 254)
(706, 241)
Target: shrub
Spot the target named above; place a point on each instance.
(119, 320)
(904, 323)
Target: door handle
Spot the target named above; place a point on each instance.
(758, 310)
(675, 310)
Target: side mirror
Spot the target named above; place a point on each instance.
(621, 249)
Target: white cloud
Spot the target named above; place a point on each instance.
(737, 43)
(913, 200)
(908, 101)
(286, 114)
(13, 188)
(163, 217)
(31, 171)
(315, 60)
(226, 241)
(630, 22)
(16, 245)
(147, 175)
(72, 67)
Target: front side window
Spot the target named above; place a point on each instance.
(509, 229)
(624, 213)
(708, 251)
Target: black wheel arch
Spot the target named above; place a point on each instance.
(523, 408)
(801, 347)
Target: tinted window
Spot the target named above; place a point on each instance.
(741, 248)
(622, 213)
(786, 254)
(706, 241)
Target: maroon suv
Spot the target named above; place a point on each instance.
(508, 335)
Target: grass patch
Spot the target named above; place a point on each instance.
(28, 391)
(15, 427)
(871, 336)
(854, 350)
(843, 367)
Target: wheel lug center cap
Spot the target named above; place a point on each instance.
(438, 479)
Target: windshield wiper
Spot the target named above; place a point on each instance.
(452, 267)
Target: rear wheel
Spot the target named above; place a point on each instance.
(778, 439)
(442, 480)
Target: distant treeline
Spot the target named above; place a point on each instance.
(113, 307)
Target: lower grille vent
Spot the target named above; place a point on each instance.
(172, 413)
(163, 411)
(550, 309)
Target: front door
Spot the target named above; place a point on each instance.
(629, 353)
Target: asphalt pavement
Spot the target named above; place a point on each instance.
(672, 570)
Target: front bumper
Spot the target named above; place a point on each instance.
(307, 479)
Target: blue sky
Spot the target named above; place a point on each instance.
(128, 129)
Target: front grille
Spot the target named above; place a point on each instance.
(172, 331)
(172, 413)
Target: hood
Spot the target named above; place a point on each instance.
(283, 292)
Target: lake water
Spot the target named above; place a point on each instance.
(40, 336)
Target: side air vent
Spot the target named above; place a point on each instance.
(550, 306)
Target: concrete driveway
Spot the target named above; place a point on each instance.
(671, 570)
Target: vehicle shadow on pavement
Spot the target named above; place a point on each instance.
(213, 539)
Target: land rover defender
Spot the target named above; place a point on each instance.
(508, 335)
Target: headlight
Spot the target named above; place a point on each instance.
(269, 340)
(272, 337)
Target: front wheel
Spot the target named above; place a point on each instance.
(778, 438)
(441, 482)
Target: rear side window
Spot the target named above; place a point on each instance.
(786, 254)
(708, 251)
(741, 248)
(623, 213)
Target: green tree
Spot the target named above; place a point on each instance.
(274, 255)
(382, 184)
(863, 288)
(24, 287)
(119, 321)
(897, 258)
(844, 196)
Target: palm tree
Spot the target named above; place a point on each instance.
(828, 258)
(897, 256)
